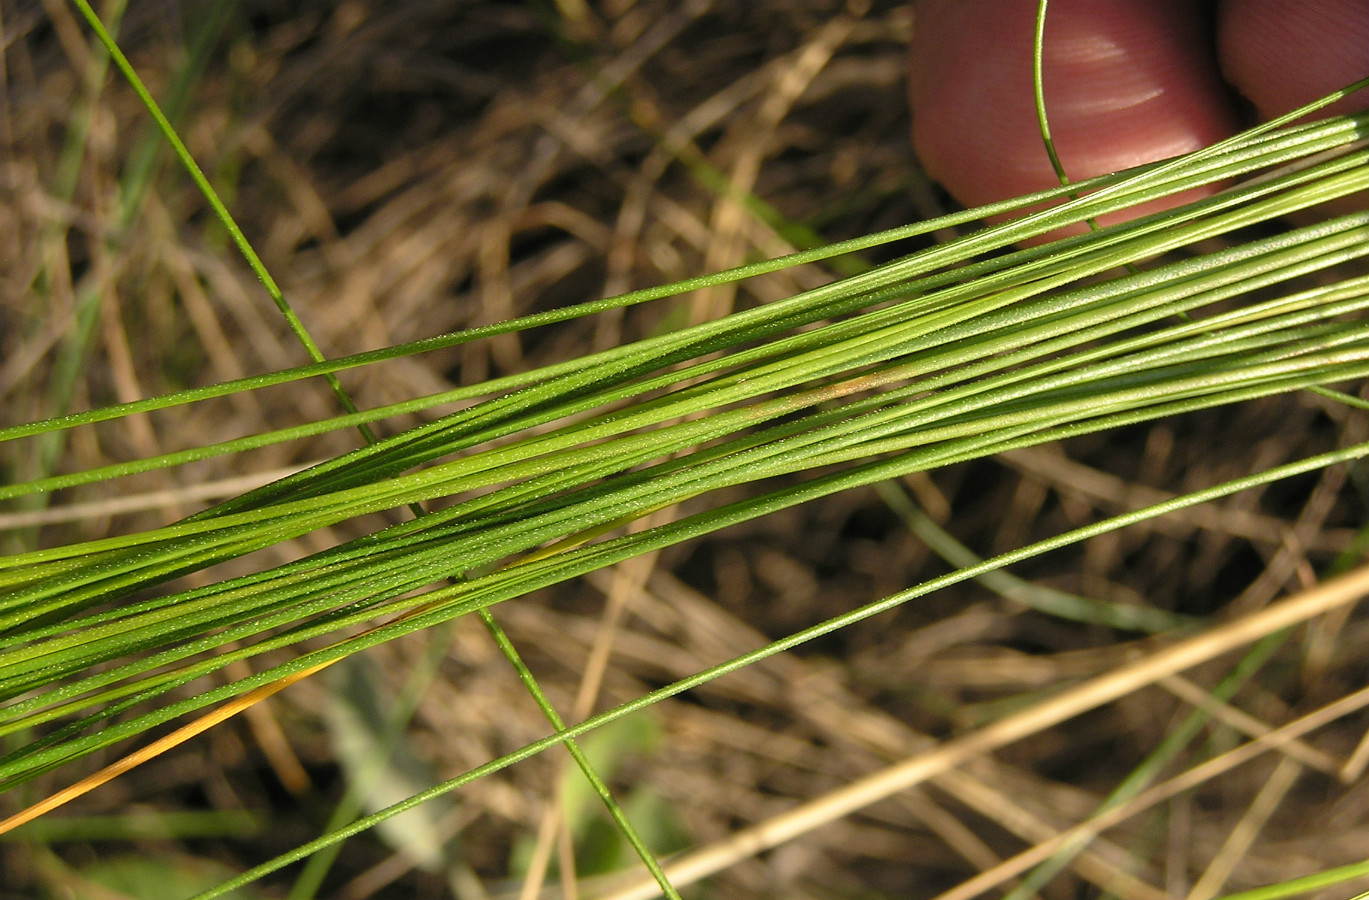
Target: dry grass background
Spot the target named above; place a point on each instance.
(410, 168)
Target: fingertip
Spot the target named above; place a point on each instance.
(972, 108)
(1126, 82)
(1282, 54)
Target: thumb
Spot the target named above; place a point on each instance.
(1126, 82)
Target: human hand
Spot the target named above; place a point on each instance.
(1126, 82)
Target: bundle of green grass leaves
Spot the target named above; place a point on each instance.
(963, 350)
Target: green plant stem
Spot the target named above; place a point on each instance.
(1075, 536)
(1306, 884)
(211, 196)
(306, 340)
(581, 760)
